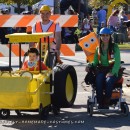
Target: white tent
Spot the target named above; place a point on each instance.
(43, 2)
(3, 6)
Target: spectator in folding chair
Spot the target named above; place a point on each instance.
(86, 27)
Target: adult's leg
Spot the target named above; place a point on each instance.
(64, 5)
(100, 79)
(109, 87)
(51, 60)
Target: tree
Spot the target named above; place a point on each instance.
(97, 3)
(75, 4)
(19, 3)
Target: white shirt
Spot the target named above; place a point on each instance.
(46, 26)
(86, 26)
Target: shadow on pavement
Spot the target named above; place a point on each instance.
(68, 120)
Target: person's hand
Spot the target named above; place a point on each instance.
(58, 56)
(109, 74)
(59, 60)
(57, 52)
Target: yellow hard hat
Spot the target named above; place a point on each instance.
(45, 8)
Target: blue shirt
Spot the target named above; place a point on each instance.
(101, 16)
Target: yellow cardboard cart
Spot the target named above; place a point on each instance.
(37, 90)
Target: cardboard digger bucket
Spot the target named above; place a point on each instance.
(89, 44)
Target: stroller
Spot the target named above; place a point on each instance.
(117, 102)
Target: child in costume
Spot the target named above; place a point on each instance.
(33, 63)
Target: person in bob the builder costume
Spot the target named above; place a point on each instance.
(89, 44)
(47, 25)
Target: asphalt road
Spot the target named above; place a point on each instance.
(75, 118)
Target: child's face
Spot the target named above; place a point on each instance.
(32, 57)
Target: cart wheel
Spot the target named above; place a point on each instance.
(55, 110)
(124, 109)
(18, 112)
(65, 86)
(43, 112)
(90, 109)
(88, 104)
(4, 113)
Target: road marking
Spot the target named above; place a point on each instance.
(76, 59)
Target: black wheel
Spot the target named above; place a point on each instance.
(55, 110)
(88, 104)
(65, 86)
(125, 109)
(18, 112)
(89, 108)
(43, 112)
(4, 113)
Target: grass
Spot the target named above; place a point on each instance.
(124, 46)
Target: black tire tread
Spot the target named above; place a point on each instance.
(59, 96)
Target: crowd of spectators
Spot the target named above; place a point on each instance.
(9, 30)
(117, 22)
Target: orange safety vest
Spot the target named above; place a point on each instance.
(51, 28)
(110, 56)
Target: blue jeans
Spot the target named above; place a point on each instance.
(103, 83)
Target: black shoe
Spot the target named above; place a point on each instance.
(105, 107)
(100, 107)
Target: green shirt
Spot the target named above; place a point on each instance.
(105, 62)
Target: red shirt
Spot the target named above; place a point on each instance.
(35, 67)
